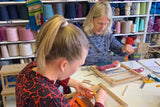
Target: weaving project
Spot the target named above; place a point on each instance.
(36, 18)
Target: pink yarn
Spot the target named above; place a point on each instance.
(118, 27)
(12, 34)
(25, 34)
(3, 33)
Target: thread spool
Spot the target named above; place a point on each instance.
(124, 27)
(137, 24)
(25, 49)
(48, 11)
(25, 34)
(4, 51)
(33, 46)
(130, 22)
(23, 12)
(21, 61)
(79, 11)
(138, 9)
(133, 28)
(59, 9)
(70, 10)
(13, 50)
(141, 26)
(3, 33)
(0, 37)
(143, 8)
(118, 27)
(12, 12)
(4, 13)
(12, 34)
(84, 8)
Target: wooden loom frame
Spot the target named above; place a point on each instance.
(114, 82)
(96, 87)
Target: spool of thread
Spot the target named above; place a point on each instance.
(23, 12)
(13, 50)
(19, 0)
(130, 22)
(25, 49)
(138, 9)
(21, 61)
(12, 34)
(118, 27)
(4, 51)
(3, 33)
(48, 11)
(13, 12)
(133, 28)
(59, 9)
(33, 46)
(84, 8)
(137, 24)
(89, 6)
(53, 7)
(4, 13)
(70, 10)
(0, 37)
(25, 34)
(124, 27)
(142, 8)
(141, 26)
(79, 11)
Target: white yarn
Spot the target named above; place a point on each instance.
(4, 51)
(25, 49)
(13, 50)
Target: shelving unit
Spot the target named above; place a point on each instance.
(145, 16)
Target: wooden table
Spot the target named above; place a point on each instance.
(134, 96)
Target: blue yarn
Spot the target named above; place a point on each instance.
(48, 11)
(13, 12)
(4, 0)
(59, 9)
(23, 12)
(153, 8)
(70, 10)
(4, 13)
(89, 6)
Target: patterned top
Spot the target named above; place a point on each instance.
(35, 90)
(99, 47)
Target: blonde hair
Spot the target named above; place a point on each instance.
(99, 9)
(57, 38)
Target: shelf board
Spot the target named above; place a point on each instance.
(14, 21)
(155, 14)
(154, 46)
(129, 16)
(153, 32)
(16, 42)
(18, 57)
(128, 1)
(138, 33)
(155, 0)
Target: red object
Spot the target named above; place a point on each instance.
(129, 41)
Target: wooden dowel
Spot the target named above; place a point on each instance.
(124, 90)
(157, 63)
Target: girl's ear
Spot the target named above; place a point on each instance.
(63, 64)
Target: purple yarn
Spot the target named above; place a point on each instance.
(79, 11)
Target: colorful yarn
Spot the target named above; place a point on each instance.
(36, 18)
(25, 34)
(13, 12)
(153, 9)
(23, 12)
(48, 11)
(4, 13)
(79, 11)
(3, 33)
(70, 10)
(12, 34)
(138, 9)
(59, 9)
(137, 24)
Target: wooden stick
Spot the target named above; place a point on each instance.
(124, 90)
(157, 63)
